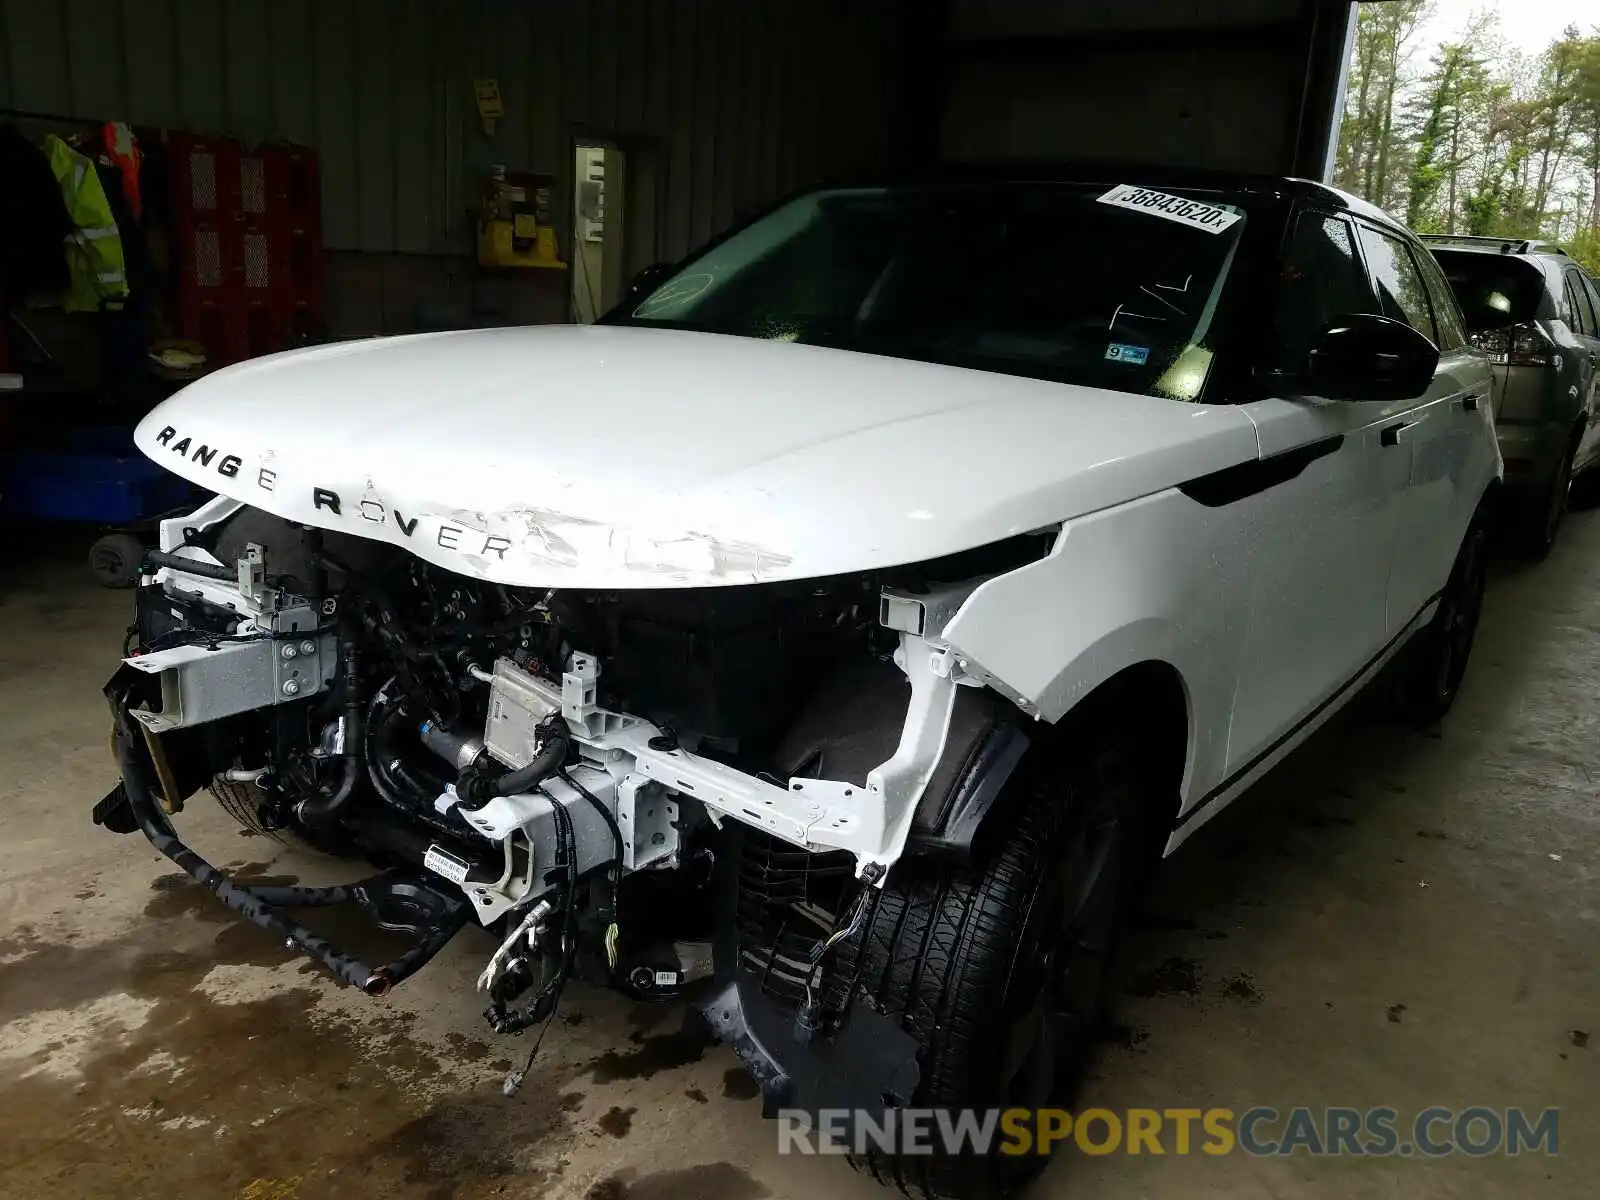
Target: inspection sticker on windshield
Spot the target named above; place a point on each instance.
(1210, 217)
(1133, 355)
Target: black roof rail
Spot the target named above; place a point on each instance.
(1507, 245)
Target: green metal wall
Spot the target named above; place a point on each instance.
(749, 97)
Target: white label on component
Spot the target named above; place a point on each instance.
(1213, 218)
(442, 862)
(666, 978)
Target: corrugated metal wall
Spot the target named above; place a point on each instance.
(749, 97)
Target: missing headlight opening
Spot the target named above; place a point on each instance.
(580, 772)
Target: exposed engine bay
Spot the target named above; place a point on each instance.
(609, 782)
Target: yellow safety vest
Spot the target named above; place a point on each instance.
(94, 248)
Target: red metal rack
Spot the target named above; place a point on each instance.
(247, 232)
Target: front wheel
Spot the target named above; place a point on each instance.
(1000, 969)
(1423, 680)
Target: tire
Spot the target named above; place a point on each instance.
(976, 962)
(114, 560)
(1541, 522)
(1421, 683)
(1585, 490)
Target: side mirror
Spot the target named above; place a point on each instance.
(1368, 357)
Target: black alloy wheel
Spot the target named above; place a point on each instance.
(1420, 685)
(1002, 968)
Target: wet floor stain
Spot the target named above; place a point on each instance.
(1153, 922)
(129, 1068)
(1129, 1037)
(696, 1095)
(617, 1121)
(1173, 976)
(470, 1049)
(571, 1101)
(1326, 820)
(724, 1181)
(656, 1053)
(1242, 987)
(179, 896)
(646, 1018)
(737, 1085)
(469, 1138)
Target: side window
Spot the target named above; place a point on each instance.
(1321, 279)
(1446, 313)
(1580, 304)
(1399, 284)
(1566, 308)
(1593, 290)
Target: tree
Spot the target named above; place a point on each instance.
(1486, 140)
(1441, 112)
(1555, 112)
(1586, 249)
(1586, 100)
(1369, 145)
(1482, 205)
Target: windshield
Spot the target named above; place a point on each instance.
(1114, 287)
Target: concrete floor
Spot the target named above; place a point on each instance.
(1393, 919)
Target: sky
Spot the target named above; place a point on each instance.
(1528, 25)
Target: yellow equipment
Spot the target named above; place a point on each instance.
(515, 228)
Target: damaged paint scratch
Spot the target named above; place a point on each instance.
(547, 537)
(701, 551)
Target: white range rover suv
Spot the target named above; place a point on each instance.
(840, 631)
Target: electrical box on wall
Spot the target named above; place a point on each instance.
(515, 225)
(490, 108)
(592, 192)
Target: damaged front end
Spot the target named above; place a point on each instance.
(659, 791)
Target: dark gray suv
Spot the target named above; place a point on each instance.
(1531, 308)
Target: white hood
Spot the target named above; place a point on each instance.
(571, 456)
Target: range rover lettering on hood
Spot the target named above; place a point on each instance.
(596, 457)
(374, 512)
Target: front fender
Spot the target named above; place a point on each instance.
(1161, 578)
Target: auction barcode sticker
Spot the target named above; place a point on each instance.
(1194, 213)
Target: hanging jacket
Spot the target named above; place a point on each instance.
(122, 148)
(94, 248)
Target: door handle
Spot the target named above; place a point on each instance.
(1391, 435)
